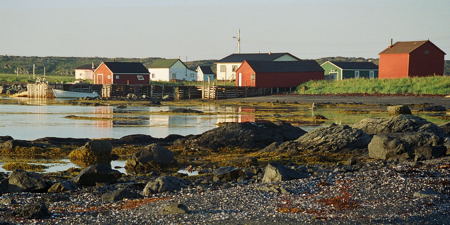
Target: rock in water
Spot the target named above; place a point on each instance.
(153, 157)
(99, 173)
(93, 152)
(163, 184)
(244, 135)
(398, 109)
(275, 172)
(21, 181)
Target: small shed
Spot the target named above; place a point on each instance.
(170, 70)
(121, 73)
(335, 70)
(411, 59)
(205, 73)
(277, 74)
(85, 72)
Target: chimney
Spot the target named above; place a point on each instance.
(392, 42)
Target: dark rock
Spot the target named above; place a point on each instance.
(185, 110)
(63, 141)
(93, 152)
(172, 137)
(154, 156)
(5, 138)
(22, 181)
(99, 173)
(245, 135)
(118, 195)
(33, 211)
(275, 172)
(446, 128)
(402, 146)
(396, 124)
(398, 109)
(173, 208)
(427, 193)
(62, 186)
(429, 152)
(227, 173)
(135, 139)
(334, 138)
(163, 184)
(271, 148)
(434, 108)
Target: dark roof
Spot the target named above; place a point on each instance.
(406, 47)
(285, 66)
(355, 65)
(253, 57)
(206, 70)
(163, 63)
(85, 67)
(126, 67)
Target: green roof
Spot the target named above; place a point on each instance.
(163, 63)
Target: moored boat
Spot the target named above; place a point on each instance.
(74, 94)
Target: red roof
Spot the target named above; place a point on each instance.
(403, 47)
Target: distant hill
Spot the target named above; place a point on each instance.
(66, 65)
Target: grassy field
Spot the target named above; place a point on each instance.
(24, 78)
(433, 85)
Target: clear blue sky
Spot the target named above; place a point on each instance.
(201, 29)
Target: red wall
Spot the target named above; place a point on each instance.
(102, 75)
(274, 80)
(426, 60)
(131, 79)
(393, 66)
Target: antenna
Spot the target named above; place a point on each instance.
(238, 38)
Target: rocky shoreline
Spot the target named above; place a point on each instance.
(390, 170)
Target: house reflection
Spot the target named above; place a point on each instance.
(104, 112)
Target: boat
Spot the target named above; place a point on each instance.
(74, 94)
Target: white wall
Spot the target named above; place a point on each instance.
(84, 74)
(229, 74)
(159, 74)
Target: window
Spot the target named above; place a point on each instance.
(253, 76)
(371, 74)
(234, 68)
(223, 68)
(117, 77)
(109, 77)
(140, 77)
(357, 74)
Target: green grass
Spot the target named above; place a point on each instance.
(25, 78)
(433, 85)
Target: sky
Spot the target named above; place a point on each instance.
(204, 29)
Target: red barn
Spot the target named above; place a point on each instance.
(121, 73)
(411, 59)
(277, 74)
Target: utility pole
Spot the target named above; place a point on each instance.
(238, 38)
(44, 71)
(34, 69)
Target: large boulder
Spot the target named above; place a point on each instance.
(164, 184)
(22, 181)
(244, 135)
(334, 138)
(99, 173)
(152, 157)
(275, 172)
(396, 124)
(135, 139)
(408, 145)
(93, 152)
(398, 109)
(446, 128)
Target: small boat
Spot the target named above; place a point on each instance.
(74, 94)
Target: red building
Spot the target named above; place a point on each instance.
(411, 59)
(121, 73)
(277, 74)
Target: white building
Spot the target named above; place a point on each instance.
(85, 72)
(170, 70)
(205, 73)
(226, 67)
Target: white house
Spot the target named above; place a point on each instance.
(85, 72)
(169, 70)
(226, 67)
(205, 73)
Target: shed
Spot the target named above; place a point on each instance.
(205, 73)
(170, 70)
(411, 59)
(85, 72)
(276, 74)
(334, 70)
(121, 73)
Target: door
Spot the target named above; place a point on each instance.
(240, 79)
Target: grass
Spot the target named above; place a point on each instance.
(25, 78)
(432, 85)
